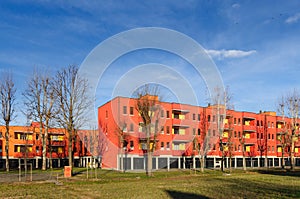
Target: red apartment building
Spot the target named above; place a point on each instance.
(26, 142)
(255, 136)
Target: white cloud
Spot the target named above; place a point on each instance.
(236, 5)
(293, 19)
(229, 53)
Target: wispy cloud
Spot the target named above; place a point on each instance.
(236, 5)
(293, 19)
(221, 54)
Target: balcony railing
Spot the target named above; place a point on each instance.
(249, 128)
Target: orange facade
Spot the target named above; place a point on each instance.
(182, 134)
(26, 142)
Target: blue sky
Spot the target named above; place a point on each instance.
(255, 44)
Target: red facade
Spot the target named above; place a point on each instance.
(182, 132)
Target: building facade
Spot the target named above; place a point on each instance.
(25, 142)
(186, 133)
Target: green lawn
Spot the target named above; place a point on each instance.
(174, 184)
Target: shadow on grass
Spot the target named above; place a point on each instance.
(280, 172)
(179, 195)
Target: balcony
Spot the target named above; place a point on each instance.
(249, 128)
(182, 138)
(58, 143)
(250, 141)
(180, 123)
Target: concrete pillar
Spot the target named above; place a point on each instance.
(273, 159)
(279, 162)
(183, 162)
(168, 163)
(235, 162)
(194, 162)
(36, 163)
(214, 162)
(179, 163)
(227, 162)
(131, 163)
(258, 162)
(58, 162)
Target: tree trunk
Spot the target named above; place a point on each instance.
(7, 147)
(266, 161)
(282, 158)
(149, 153)
(44, 146)
(202, 163)
(149, 164)
(70, 151)
(230, 163)
(293, 154)
(244, 159)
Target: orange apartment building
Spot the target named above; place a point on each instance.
(255, 136)
(25, 142)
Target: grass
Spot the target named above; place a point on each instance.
(173, 184)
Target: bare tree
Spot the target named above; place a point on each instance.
(39, 103)
(122, 138)
(221, 99)
(283, 135)
(8, 96)
(204, 141)
(290, 104)
(242, 142)
(147, 105)
(228, 150)
(71, 92)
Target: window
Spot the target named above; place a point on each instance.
(239, 134)
(235, 134)
(194, 131)
(131, 127)
(168, 129)
(257, 136)
(37, 137)
(194, 116)
(269, 124)
(208, 118)
(124, 109)
(106, 114)
(125, 128)
(272, 136)
(198, 117)
(272, 124)
(162, 113)
(272, 148)
(239, 147)
(168, 145)
(199, 131)
(141, 127)
(208, 132)
(234, 121)
(162, 130)
(199, 146)
(131, 145)
(162, 145)
(168, 114)
(0, 149)
(268, 135)
(214, 132)
(214, 118)
(131, 110)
